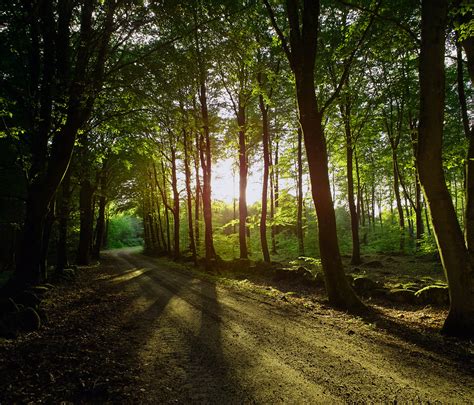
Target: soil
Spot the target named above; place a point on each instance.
(142, 330)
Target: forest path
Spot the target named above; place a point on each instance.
(196, 341)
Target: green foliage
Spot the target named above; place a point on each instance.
(124, 231)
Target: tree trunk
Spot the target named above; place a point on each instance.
(63, 222)
(469, 133)
(346, 114)
(86, 194)
(272, 198)
(276, 183)
(299, 215)
(176, 219)
(339, 292)
(449, 237)
(189, 195)
(197, 203)
(100, 226)
(243, 170)
(79, 105)
(46, 240)
(266, 168)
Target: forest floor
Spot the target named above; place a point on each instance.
(142, 330)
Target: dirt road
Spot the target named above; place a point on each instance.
(196, 342)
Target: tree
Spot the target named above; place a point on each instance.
(449, 238)
(301, 51)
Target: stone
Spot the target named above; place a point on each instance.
(401, 295)
(364, 284)
(374, 264)
(433, 294)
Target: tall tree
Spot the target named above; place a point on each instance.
(449, 238)
(302, 51)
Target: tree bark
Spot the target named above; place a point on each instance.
(299, 215)
(243, 171)
(63, 222)
(266, 169)
(100, 225)
(469, 133)
(86, 194)
(449, 237)
(187, 173)
(176, 219)
(346, 114)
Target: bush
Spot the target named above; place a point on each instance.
(124, 231)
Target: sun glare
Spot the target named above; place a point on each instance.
(225, 182)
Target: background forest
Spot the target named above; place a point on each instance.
(217, 130)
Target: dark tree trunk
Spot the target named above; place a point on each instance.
(197, 204)
(301, 52)
(50, 218)
(79, 105)
(272, 198)
(63, 222)
(346, 114)
(449, 237)
(469, 133)
(189, 199)
(243, 170)
(276, 183)
(86, 194)
(176, 219)
(100, 225)
(299, 215)
(266, 168)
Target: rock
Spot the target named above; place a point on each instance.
(401, 295)
(8, 306)
(434, 295)
(379, 293)
(262, 266)
(281, 274)
(304, 273)
(29, 319)
(38, 290)
(319, 279)
(364, 284)
(355, 270)
(69, 273)
(43, 316)
(374, 264)
(28, 299)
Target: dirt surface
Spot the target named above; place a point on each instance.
(143, 330)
